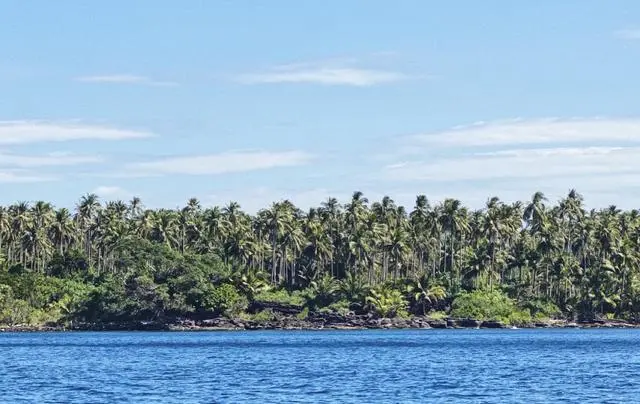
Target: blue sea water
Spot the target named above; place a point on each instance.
(449, 366)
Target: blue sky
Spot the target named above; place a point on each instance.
(260, 101)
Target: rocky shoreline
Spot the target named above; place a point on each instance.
(318, 322)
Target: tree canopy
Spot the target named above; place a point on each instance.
(117, 260)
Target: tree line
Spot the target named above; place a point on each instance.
(585, 262)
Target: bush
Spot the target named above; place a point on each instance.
(261, 316)
(438, 315)
(387, 302)
(225, 299)
(542, 310)
(281, 296)
(303, 314)
(484, 305)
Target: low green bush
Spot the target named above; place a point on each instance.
(303, 314)
(225, 299)
(542, 310)
(488, 305)
(281, 296)
(341, 307)
(261, 316)
(438, 315)
(387, 302)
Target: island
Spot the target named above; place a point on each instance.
(118, 266)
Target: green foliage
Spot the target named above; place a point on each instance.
(342, 307)
(70, 264)
(488, 305)
(13, 311)
(354, 288)
(321, 292)
(387, 302)
(303, 314)
(119, 262)
(438, 315)
(542, 309)
(422, 295)
(281, 296)
(261, 316)
(224, 299)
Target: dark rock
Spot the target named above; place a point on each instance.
(419, 322)
(492, 324)
(283, 308)
(437, 323)
(468, 323)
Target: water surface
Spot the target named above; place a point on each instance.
(461, 366)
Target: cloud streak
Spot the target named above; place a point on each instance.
(532, 132)
(126, 79)
(222, 163)
(21, 176)
(48, 160)
(324, 75)
(522, 164)
(25, 132)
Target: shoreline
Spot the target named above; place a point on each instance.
(320, 323)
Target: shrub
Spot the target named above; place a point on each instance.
(387, 302)
(438, 315)
(303, 314)
(281, 296)
(484, 305)
(322, 292)
(225, 299)
(341, 307)
(261, 316)
(541, 309)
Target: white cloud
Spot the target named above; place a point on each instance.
(229, 162)
(629, 34)
(51, 159)
(22, 132)
(512, 159)
(541, 131)
(20, 176)
(126, 79)
(536, 163)
(325, 75)
(108, 191)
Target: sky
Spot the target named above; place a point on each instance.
(257, 102)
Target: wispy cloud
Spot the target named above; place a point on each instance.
(629, 34)
(541, 131)
(126, 79)
(594, 155)
(22, 176)
(521, 164)
(51, 159)
(229, 162)
(345, 71)
(324, 75)
(24, 132)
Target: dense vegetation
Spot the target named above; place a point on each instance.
(119, 262)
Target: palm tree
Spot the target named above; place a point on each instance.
(454, 221)
(423, 294)
(86, 212)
